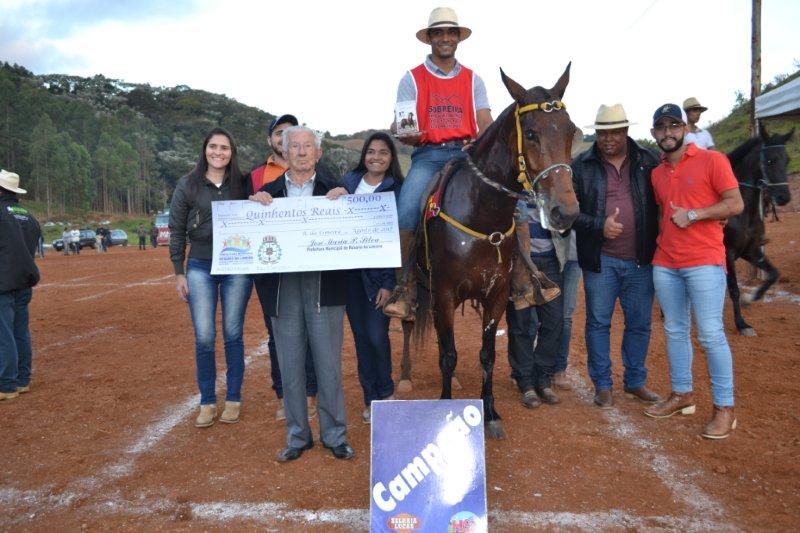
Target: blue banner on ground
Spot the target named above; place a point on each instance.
(428, 471)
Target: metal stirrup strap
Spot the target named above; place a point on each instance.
(495, 239)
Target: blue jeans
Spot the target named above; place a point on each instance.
(698, 291)
(371, 335)
(426, 161)
(633, 285)
(204, 291)
(570, 276)
(15, 340)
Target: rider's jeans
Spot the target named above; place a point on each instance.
(426, 160)
(699, 292)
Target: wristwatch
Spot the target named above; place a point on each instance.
(691, 215)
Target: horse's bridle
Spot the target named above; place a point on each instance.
(523, 177)
(528, 184)
(763, 184)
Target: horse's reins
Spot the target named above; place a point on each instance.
(529, 186)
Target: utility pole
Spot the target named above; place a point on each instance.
(755, 65)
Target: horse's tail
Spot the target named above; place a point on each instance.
(422, 315)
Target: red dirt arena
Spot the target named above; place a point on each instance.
(105, 439)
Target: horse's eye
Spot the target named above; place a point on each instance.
(770, 161)
(530, 135)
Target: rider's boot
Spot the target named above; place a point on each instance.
(403, 301)
(529, 285)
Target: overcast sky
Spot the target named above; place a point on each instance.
(336, 64)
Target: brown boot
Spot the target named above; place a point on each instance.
(403, 301)
(529, 286)
(721, 424)
(676, 403)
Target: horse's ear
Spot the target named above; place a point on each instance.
(516, 90)
(561, 85)
(786, 137)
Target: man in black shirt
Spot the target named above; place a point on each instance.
(19, 235)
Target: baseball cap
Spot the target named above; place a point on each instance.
(291, 119)
(671, 111)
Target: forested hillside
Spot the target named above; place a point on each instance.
(98, 144)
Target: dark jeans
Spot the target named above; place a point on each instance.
(275, 369)
(15, 340)
(532, 367)
(633, 286)
(142, 243)
(371, 335)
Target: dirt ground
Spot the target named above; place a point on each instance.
(105, 439)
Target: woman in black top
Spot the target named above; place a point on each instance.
(215, 177)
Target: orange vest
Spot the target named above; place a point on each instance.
(445, 106)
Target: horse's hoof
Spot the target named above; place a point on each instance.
(495, 429)
(747, 332)
(404, 385)
(746, 299)
(455, 383)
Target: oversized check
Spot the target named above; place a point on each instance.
(305, 234)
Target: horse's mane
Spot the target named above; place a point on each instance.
(738, 154)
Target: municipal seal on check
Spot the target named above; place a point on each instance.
(269, 252)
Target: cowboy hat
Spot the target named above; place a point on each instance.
(443, 17)
(610, 118)
(693, 103)
(10, 182)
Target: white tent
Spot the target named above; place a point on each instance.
(781, 102)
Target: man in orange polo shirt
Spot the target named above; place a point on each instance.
(272, 169)
(275, 165)
(695, 189)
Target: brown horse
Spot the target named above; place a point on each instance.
(469, 233)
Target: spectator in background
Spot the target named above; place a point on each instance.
(142, 234)
(272, 169)
(66, 240)
(368, 289)
(75, 240)
(216, 177)
(40, 246)
(308, 310)
(701, 138)
(154, 236)
(19, 234)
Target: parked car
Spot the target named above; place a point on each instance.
(58, 245)
(88, 239)
(118, 237)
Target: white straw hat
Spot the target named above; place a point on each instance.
(443, 17)
(610, 118)
(10, 182)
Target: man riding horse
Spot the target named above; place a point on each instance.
(452, 111)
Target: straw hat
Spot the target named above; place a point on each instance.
(693, 103)
(10, 182)
(610, 118)
(443, 17)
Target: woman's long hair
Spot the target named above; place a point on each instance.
(232, 172)
(394, 167)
